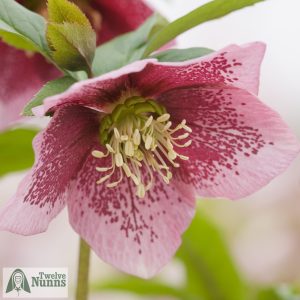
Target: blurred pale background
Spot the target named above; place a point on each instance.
(263, 231)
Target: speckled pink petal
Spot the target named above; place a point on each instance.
(98, 93)
(120, 16)
(59, 151)
(234, 65)
(21, 76)
(239, 144)
(138, 236)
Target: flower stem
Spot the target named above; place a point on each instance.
(83, 271)
(90, 73)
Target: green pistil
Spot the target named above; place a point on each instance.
(140, 140)
(136, 108)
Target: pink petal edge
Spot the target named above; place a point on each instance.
(138, 236)
(75, 91)
(239, 144)
(59, 152)
(236, 66)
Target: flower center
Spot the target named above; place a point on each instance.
(140, 138)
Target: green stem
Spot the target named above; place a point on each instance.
(209, 11)
(83, 271)
(90, 72)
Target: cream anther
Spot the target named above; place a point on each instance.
(141, 144)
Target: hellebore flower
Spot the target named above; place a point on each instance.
(128, 152)
(109, 18)
(24, 74)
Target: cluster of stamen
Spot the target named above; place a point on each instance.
(139, 137)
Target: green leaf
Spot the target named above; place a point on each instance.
(22, 28)
(17, 42)
(126, 48)
(211, 273)
(70, 36)
(16, 150)
(268, 294)
(51, 88)
(210, 11)
(174, 55)
(63, 11)
(288, 292)
(139, 287)
(72, 45)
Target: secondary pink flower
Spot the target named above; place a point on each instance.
(119, 16)
(118, 153)
(23, 75)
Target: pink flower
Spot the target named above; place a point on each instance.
(128, 152)
(119, 16)
(24, 74)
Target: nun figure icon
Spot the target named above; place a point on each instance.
(18, 282)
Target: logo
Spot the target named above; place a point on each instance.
(35, 283)
(18, 282)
